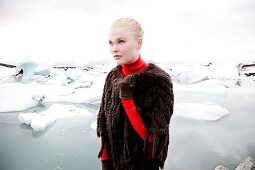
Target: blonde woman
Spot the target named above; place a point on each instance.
(136, 106)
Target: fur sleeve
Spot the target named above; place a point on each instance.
(161, 100)
(101, 119)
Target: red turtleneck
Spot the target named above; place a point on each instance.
(138, 66)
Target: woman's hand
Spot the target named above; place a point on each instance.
(127, 86)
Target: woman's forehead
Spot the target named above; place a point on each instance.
(120, 32)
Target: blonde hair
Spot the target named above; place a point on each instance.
(132, 24)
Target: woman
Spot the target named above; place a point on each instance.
(136, 107)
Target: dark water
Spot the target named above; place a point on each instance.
(194, 145)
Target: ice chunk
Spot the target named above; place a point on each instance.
(43, 70)
(31, 71)
(193, 74)
(64, 111)
(18, 96)
(59, 79)
(212, 86)
(6, 74)
(40, 121)
(27, 117)
(36, 121)
(94, 125)
(189, 73)
(224, 70)
(200, 111)
(27, 66)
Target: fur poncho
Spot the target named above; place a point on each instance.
(154, 99)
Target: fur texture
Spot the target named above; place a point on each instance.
(154, 99)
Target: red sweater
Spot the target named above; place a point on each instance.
(138, 66)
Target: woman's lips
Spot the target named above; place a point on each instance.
(117, 56)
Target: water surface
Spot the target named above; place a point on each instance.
(71, 144)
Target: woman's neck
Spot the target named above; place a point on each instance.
(137, 66)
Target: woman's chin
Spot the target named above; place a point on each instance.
(119, 62)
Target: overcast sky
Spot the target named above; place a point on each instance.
(77, 30)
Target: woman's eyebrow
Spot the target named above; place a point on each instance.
(121, 38)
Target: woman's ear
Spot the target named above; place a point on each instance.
(140, 43)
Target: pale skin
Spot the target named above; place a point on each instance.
(124, 46)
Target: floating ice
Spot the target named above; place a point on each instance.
(40, 121)
(43, 70)
(30, 71)
(27, 117)
(37, 121)
(211, 86)
(201, 111)
(18, 96)
(81, 86)
(94, 125)
(28, 67)
(224, 70)
(193, 74)
(189, 73)
(6, 74)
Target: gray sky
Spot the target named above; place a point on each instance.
(77, 30)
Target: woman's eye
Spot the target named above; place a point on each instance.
(121, 41)
(111, 43)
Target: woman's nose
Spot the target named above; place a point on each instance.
(115, 49)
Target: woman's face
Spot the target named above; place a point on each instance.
(124, 46)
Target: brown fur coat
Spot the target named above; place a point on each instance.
(154, 99)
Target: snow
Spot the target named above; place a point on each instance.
(54, 92)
